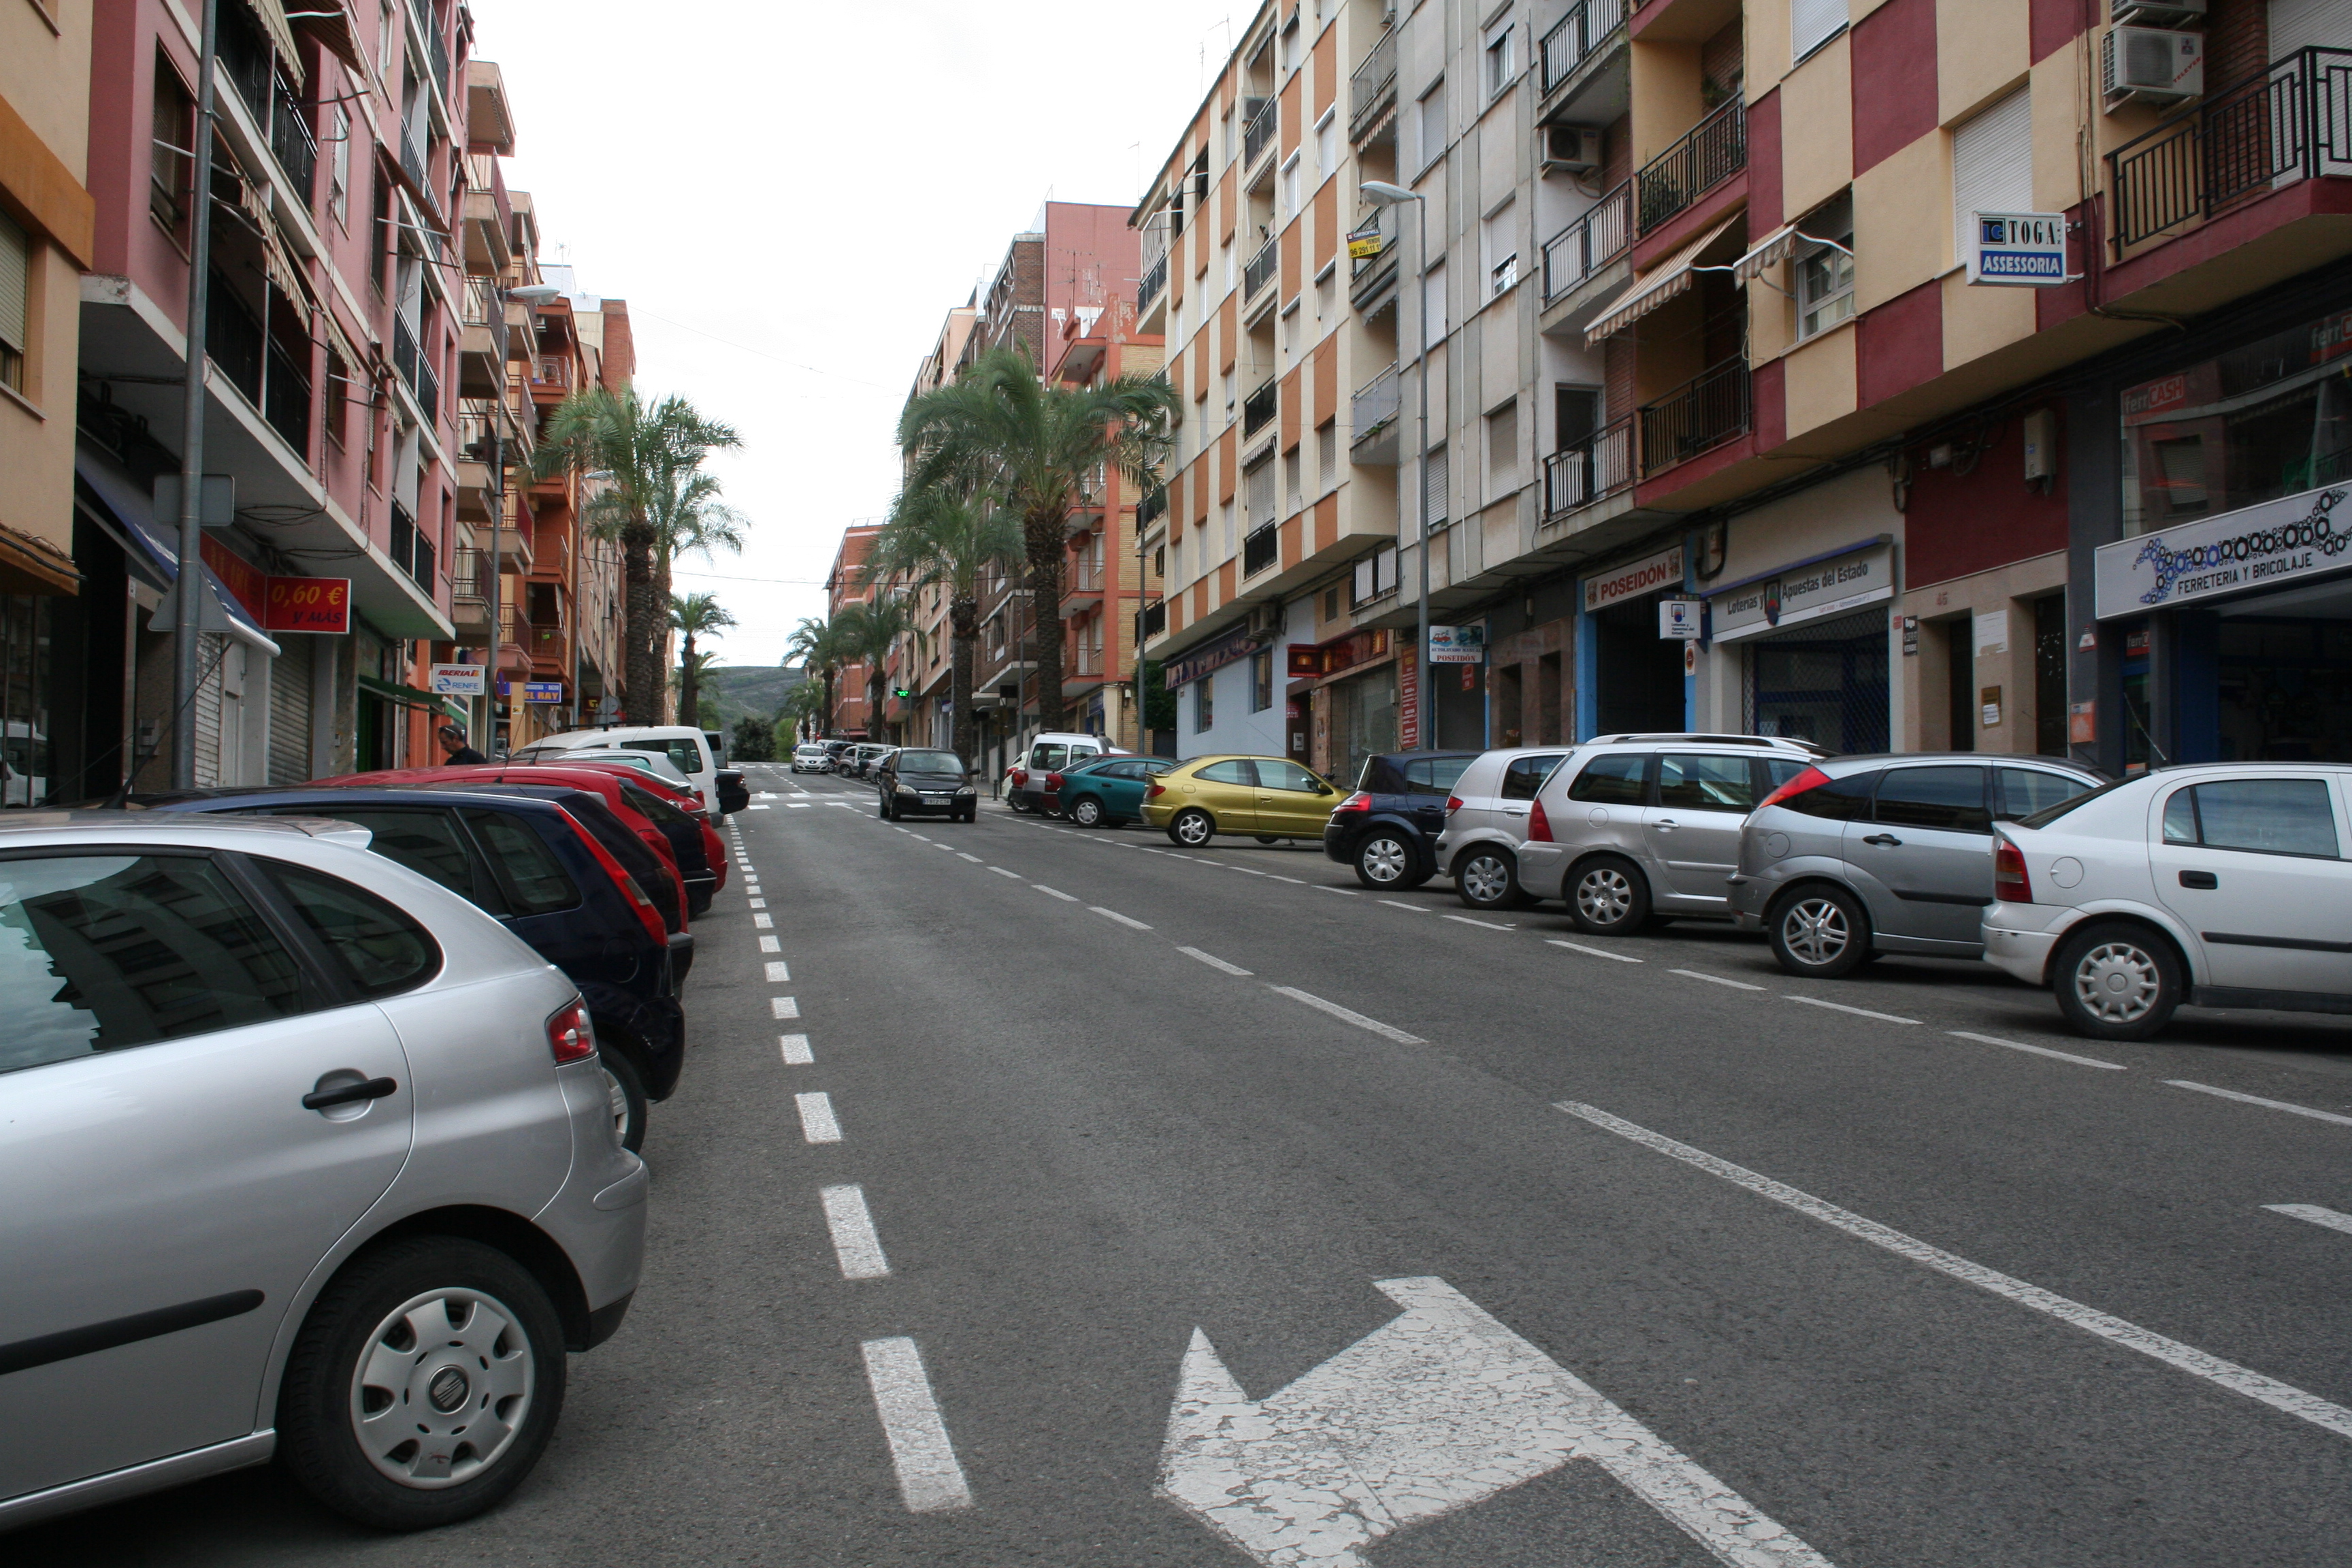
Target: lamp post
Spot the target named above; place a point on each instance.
(1381, 192)
(526, 294)
(188, 587)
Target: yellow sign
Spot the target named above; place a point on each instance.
(1359, 248)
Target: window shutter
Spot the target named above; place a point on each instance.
(1992, 166)
(2297, 24)
(1811, 23)
(16, 266)
(1437, 478)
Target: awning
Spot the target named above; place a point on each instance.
(1774, 249)
(218, 610)
(271, 15)
(1663, 283)
(332, 22)
(33, 565)
(393, 691)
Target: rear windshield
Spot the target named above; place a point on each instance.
(929, 763)
(2049, 813)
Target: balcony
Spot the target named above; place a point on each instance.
(412, 547)
(434, 46)
(1596, 467)
(1589, 243)
(1152, 508)
(1258, 135)
(1153, 622)
(1704, 412)
(412, 165)
(1257, 409)
(479, 331)
(1374, 419)
(489, 216)
(290, 140)
(1258, 271)
(551, 373)
(2292, 123)
(1578, 38)
(1155, 278)
(1371, 91)
(1261, 549)
(489, 118)
(1082, 586)
(1716, 149)
(1371, 280)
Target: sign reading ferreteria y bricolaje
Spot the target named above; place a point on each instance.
(1631, 580)
(2259, 546)
(1844, 581)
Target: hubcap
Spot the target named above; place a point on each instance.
(1487, 879)
(1384, 860)
(2118, 982)
(617, 1099)
(1815, 931)
(1192, 830)
(1087, 813)
(1604, 896)
(442, 1388)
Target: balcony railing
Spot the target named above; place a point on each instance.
(434, 46)
(1599, 466)
(1258, 271)
(1154, 619)
(1703, 412)
(1576, 36)
(1590, 243)
(428, 392)
(1155, 278)
(1373, 87)
(412, 549)
(412, 158)
(1375, 406)
(1261, 549)
(286, 398)
(1258, 135)
(469, 576)
(1716, 150)
(479, 307)
(2292, 123)
(290, 140)
(1257, 409)
(549, 371)
(1152, 508)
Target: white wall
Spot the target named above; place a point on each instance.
(1236, 728)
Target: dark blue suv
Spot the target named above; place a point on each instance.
(524, 861)
(1388, 829)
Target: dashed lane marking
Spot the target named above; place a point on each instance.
(1054, 892)
(784, 1007)
(779, 972)
(1292, 880)
(1003, 872)
(759, 903)
(795, 1050)
(2258, 1099)
(818, 1123)
(1394, 904)
(854, 1241)
(1346, 1014)
(1490, 925)
(1715, 979)
(973, 859)
(929, 1478)
(1593, 952)
(761, 923)
(1212, 960)
(2037, 1050)
(1343, 892)
(770, 945)
(2331, 1218)
(1115, 915)
(1857, 1012)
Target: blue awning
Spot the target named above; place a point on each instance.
(134, 515)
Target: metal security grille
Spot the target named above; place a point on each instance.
(1824, 683)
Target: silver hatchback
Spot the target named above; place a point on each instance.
(304, 1157)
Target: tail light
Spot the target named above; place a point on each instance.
(1453, 803)
(2010, 885)
(1020, 778)
(1155, 792)
(569, 1033)
(1357, 802)
(1052, 783)
(1812, 778)
(1539, 825)
(647, 915)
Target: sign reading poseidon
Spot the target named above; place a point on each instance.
(2254, 547)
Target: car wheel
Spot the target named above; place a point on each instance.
(1821, 933)
(424, 1386)
(1386, 862)
(697, 904)
(1487, 879)
(1609, 897)
(1192, 829)
(1013, 801)
(2116, 982)
(1087, 812)
(627, 1089)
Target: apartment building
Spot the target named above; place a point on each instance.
(921, 666)
(845, 585)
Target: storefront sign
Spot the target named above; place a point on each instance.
(534, 690)
(458, 681)
(1663, 570)
(1989, 698)
(2018, 249)
(1457, 644)
(1235, 644)
(308, 605)
(1678, 618)
(241, 577)
(2265, 545)
(1407, 702)
(1825, 588)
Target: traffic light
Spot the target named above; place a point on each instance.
(902, 692)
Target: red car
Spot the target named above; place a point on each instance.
(685, 800)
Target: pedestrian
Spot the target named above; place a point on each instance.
(454, 752)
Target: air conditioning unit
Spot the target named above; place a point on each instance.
(1265, 620)
(2152, 65)
(2155, 13)
(1571, 149)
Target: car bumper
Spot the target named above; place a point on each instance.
(1338, 843)
(2019, 938)
(1745, 897)
(598, 1215)
(905, 806)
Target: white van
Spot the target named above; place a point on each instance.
(682, 744)
(1025, 780)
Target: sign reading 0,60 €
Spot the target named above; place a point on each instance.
(308, 605)
(2019, 249)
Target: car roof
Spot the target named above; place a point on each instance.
(99, 825)
(1699, 738)
(1839, 766)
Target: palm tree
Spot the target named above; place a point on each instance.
(1001, 430)
(695, 616)
(802, 708)
(820, 646)
(649, 455)
(688, 678)
(948, 537)
(871, 630)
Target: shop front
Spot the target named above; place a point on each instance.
(1349, 701)
(1628, 678)
(1809, 647)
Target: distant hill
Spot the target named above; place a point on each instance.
(750, 690)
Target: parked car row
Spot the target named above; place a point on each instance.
(319, 1112)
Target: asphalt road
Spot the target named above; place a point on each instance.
(1801, 1273)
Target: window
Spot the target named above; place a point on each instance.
(1992, 166)
(339, 175)
(1825, 269)
(171, 163)
(1046, 756)
(339, 400)
(1326, 143)
(1272, 775)
(1500, 67)
(1526, 775)
(1698, 783)
(1503, 449)
(1375, 575)
(380, 949)
(2268, 816)
(1438, 480)
(1290, 187)
(1160, 561)
(1500, 236)
(1261, 681)
(1840, 800)
(532, 881)
(387, 40)
(1433, 775)
(1225, 529)
(1204, 707)
(1327, 293)
(1618, 779)
(1326, 453)
(2024, 791)
(1229, 397)
(1950, 800)
(1236, 772)
(1433, 123)
(16, 319)
(1813, 22)
(428, 842)
(1433, 303)
(386, 232)
(102, 952)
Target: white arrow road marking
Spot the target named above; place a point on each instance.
(929, 1478)
(1432, 1412)
(2331, 1218)
(2278, 1395)
(2258, 1099)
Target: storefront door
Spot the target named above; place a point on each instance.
(1823, 682)
(1639, 674)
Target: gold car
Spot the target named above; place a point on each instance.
(1267, 797)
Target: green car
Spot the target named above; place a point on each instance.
(1104, 791)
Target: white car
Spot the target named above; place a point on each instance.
(688, 748)
(2221, 884)
(812, 758)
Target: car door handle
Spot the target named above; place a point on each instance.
(2205, 879)
(1514, 811)
(1665, 824)
(1887, 839)
(372, 1088)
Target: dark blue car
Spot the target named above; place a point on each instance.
(523, 861)
(1388, 828)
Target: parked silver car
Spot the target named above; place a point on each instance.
(1486, 821)
(1636, 825)
(304, 1156)
(1857, 856)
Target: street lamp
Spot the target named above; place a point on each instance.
(1381, 192)
(525, 294)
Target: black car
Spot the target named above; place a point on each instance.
(1388, 829)
(917, 781)
(521, 860)
(734, 794)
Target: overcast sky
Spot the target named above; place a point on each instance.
(792, 195)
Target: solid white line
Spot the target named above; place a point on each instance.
(1003, 872)
(1857, 1012)
(2258, 1099)
(2279, 1395)
(1595, 951)
(762, 923)
(1054, 892)
(770, 945)
(1490, 925)
(818, 1124)
(1386, 1031)
(795, 1049)
(1416, 909)
(1715, 980)
(2037, 1050)
(961, 855)
(854, 1242)
(929, 1478)
(778, 971)
(1212, 960)
(2331, 1218)
(784, 1007)
(1343, 892)
(1115, 915)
